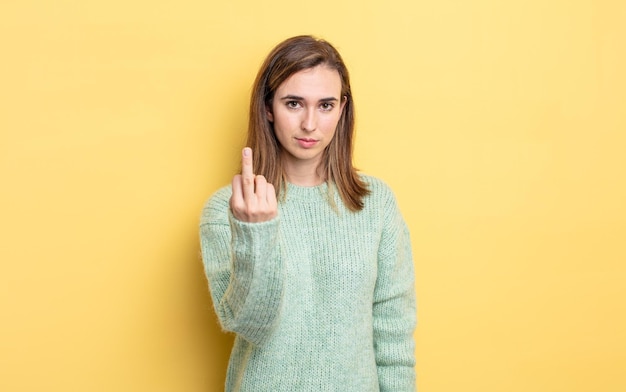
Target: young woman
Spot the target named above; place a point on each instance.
(309, 262)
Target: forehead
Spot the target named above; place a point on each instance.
(319, 81)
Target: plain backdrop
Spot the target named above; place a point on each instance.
(500, 125)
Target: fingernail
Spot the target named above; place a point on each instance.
(246, 152)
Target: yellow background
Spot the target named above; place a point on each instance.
(500, 125)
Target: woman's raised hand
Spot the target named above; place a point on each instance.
(253, 199)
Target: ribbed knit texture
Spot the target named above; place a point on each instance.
(321, 299)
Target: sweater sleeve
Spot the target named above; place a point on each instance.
(394, 307)
(243, 266)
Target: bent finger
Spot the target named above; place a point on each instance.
(270, 195)
(237, 191)
(260, 186)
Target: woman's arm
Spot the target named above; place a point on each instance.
(394, 306)
(244, 268)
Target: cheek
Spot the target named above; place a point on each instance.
(284, 120)
(330, 125)
(281, 126)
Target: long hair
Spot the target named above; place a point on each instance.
(290, 56)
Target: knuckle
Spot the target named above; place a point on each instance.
(236, 205)
(247, 180)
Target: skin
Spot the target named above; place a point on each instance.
(253, 198)
(305, 111)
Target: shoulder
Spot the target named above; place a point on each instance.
(382, 202)
(215, 210)
(379, 190)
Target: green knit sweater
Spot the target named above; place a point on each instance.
(320, 298)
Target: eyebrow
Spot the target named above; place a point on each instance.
(297, 98)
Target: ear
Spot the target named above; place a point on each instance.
(269, 114)
(344, 99)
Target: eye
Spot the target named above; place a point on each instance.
(292, 104)
(327, 106)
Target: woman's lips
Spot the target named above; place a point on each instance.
(306, 142)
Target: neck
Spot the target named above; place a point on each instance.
(304, 180)
(304, 174)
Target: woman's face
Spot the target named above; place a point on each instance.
(305, 111)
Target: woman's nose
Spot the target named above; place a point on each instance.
(309, 120)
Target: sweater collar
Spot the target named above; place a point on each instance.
(308, 193)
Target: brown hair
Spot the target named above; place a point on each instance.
(290, 56)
